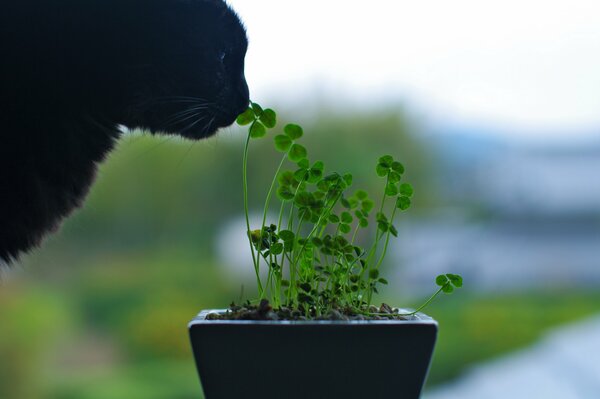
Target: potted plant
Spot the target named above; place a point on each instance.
(313, 331)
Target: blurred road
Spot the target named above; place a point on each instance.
(562, 365)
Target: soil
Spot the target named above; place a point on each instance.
(264, 311)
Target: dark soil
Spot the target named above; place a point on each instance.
(264, 311)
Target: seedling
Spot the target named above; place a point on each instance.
(314, 261)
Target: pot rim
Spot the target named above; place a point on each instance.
(419, 318)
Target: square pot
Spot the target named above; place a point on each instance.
(379, 359)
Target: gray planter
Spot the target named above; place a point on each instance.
(312, 359)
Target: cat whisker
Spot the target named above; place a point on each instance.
(207, 127)
(152, 148)
(209, 124)
(180, 99)
(185, 155)
(195, 123)
(183, 119)
(182, 116)
(187, 111)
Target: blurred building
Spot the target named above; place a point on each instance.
(511, 215)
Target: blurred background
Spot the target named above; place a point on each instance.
(494, 109)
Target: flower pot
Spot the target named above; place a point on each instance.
(312, 359)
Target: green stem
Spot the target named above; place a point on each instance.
(355, 231)
(387, 240)
(317, 224)
(291, 216)
(293, 264)
(255, 260)
(373, 249)
(268, 200)
(280, 219)
(424, 305)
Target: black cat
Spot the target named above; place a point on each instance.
(72, 71)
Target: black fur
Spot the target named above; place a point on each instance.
(71, 71)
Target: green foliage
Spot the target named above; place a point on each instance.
(311, 253)
(481, 327)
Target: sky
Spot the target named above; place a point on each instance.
(531, 65)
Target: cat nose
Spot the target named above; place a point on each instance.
(243, 96)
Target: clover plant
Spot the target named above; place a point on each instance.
(312, 252)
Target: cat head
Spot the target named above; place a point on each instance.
(189, 77)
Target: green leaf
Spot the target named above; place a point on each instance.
(314, 175)
(333, 218)
(448, 288)
(246, 117)
(455, 279)
(441, 280)
(303, 163)
(323, 185)
(341, 241)
(373, 274)
(345, 228)
(257, 109)
(257, 130)
(353, 202)
(394, 177)
(285, 194)
(347, 217)
(297, 153)
(367, 205)
(301, 174)
(380, 217)
(304, 199)
(286, 178)
(345, 203)
(288, 246)
(393, 230)
(319, 165)
(348, 179)
(363, 223)
(406, 190)
(286, 235)
(277, 249)
(381, 170)
(386, 161)
(293, 131)
(383, 281)
(391, 190)
(269, 118)
(282, 143)
(403, 203)
(304, 213)
(397, 167)
(361, 195)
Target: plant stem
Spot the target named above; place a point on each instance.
(255, 261)
(317, 225)
(387, 240)
(268, 199)
(373, 249)
(279, 220)
(427, 302)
